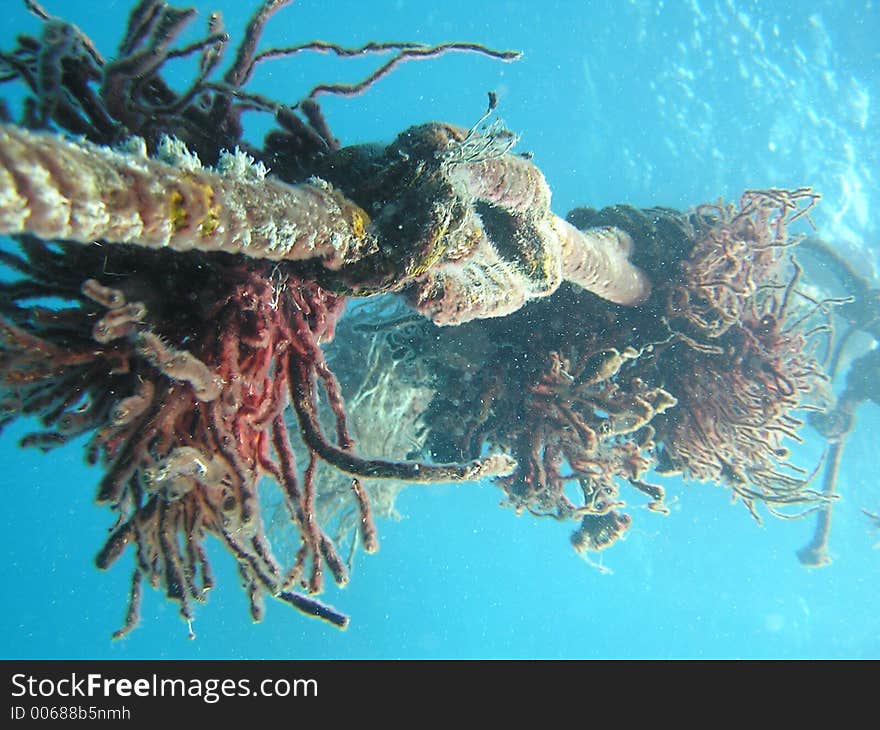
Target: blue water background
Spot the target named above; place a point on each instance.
(651, 103)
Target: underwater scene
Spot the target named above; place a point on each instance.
(413, 330)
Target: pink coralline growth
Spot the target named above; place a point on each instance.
(747, 343)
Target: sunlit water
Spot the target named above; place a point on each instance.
(651, 103)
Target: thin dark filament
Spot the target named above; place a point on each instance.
(407, 54)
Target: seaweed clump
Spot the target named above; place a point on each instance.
(706, 378)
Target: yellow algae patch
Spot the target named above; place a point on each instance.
(177, 213)
(360, 221)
